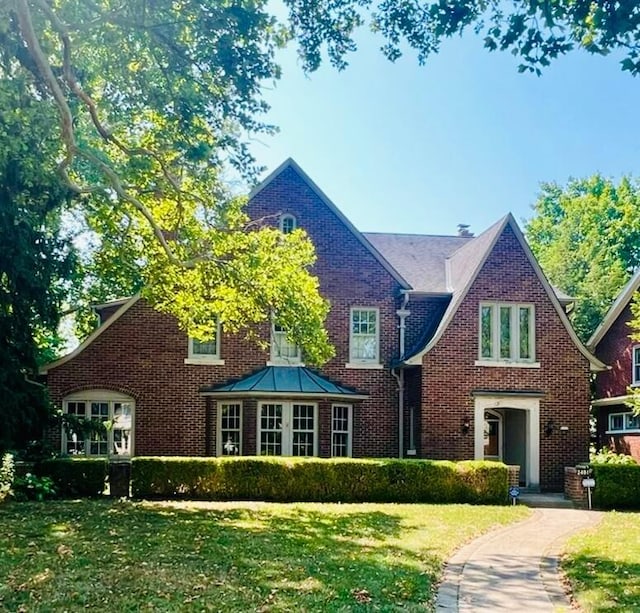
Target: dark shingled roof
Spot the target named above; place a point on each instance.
(283, 381)
(420, 259)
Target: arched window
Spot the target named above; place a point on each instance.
(288, 223)
(113, 410)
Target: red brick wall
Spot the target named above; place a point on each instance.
(450, 375)
(615, 351)
(143, 353)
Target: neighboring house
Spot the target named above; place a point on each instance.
(616, 425)
(447, 347)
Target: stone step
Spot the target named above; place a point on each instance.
(546, 501)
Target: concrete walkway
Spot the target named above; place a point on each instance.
(513, 568)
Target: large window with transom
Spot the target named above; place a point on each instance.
(287, 428)
(507, 333)
(109, 417)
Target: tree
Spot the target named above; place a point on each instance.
(586, 236)
(535, 31)
(153, 99)
(36, 261)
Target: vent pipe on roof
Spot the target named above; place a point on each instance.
(463, 230)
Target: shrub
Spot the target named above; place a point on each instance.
(6, 476)
(33, 487)
(314, 479)
(617, 486)
(76, 477)
(607, 456)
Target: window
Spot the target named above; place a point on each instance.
(283, 351)
(341, 426)
(635, 376)
(623, 422)
(507, 332)
(363, 336)
(230, 429)
(205, 352)
(287, 428)
(288, 224)
(113, 410)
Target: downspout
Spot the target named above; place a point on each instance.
(398, 374)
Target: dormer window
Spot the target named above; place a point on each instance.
(288, 223)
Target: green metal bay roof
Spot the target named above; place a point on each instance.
(283, 381)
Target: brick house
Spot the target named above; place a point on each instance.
(447, 347)
(616, 425)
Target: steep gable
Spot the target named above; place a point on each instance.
(463, 268)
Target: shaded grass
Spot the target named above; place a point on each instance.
(603, 564)
(126, 556)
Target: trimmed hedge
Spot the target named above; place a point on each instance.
(617, 486)
(76, 477)
(319, 480)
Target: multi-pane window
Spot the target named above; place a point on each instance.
(635, 379)
(283, 351)
(287, 428)
(230, 428)
(507, 332)
(287, 224)
(206, 350)
(113, 418)
(621, 422)
(341, 430)
(364, 335)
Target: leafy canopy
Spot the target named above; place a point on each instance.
(586, 236)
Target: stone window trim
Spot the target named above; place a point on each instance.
(90, 404)
(496, 351)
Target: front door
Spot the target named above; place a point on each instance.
(287, 428)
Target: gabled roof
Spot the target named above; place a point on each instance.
(420, 259)
(463, 268)
(124, 307)
(619, 305)
(283, 381)
(290, 163)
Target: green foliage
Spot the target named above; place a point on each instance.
(586, 236)
(535, 32)
(33, 487)
(76, 477)
(607, 456)
(7, 474)
(314, 479)
(617, 486)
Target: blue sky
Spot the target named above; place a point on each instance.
(463, 139)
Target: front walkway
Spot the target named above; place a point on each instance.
(513, 568)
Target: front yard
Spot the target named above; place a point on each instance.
(126, 556)
(603, 565)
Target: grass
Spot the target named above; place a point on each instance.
(126, 556)
(603, 564)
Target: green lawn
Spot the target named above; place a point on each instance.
(603, 565)
(125, 556)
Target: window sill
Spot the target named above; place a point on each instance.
(284, 363)
(205, 361)
(635, 431)
(495, 363)
(364, 365)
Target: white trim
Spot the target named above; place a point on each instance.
(624, 429)
(290, 163)
(356, 362)
(219, 442)
(456, 301)
(364, 366)
(110, 397)
(605, 402)
(92, 337)
(286, 429)
(619, 304)
(505, 364)
(526, 403)
(205, 360)
(349, 428)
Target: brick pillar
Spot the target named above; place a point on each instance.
(573, 489)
